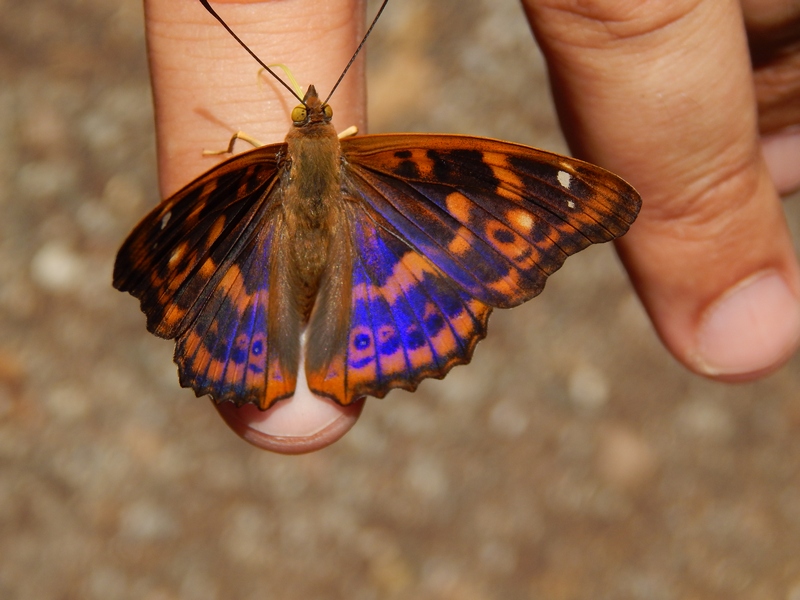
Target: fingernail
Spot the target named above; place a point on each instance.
(297, 426)
(753, 327)
(303, 415)
(782, 154)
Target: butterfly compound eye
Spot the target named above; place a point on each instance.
(327, 111)
(299, 114)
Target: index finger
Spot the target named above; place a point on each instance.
(205, 89)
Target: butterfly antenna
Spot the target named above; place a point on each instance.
(207, 6)
(355, 54)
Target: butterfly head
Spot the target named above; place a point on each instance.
(312, 110)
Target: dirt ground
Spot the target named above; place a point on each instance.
(573, 459)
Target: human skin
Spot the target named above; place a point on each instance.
(663, 94)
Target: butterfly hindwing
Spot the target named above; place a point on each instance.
(408, 320)
(496, 217)
(229, 350)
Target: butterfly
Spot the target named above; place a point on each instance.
(376, 259)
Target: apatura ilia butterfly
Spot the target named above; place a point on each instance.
(378, 258)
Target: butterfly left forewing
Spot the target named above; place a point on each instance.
(497, 217)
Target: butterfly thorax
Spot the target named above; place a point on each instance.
(314, 172)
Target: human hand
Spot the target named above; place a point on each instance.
(664, 97)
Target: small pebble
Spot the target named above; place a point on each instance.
(624, 458)
(56, 268)
(589, 389)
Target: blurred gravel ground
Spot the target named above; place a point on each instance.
(572, 460)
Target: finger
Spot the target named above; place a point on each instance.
(663, 95)
(774, 38)
(205, 89)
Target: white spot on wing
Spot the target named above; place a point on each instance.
(565, 180)
(165, 219)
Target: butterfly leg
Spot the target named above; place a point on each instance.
(239, 135)
(349, 132)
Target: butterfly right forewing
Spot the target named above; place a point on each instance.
(200, 264)
(180, 250)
